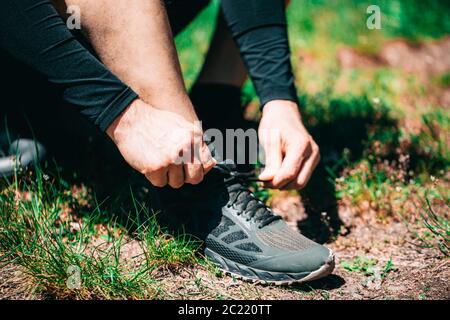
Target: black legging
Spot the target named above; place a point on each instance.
(259, 29)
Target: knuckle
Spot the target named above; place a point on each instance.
(315, 148)
(156, 183)
(196, 180)
(277, 185)
(159, 166)
(150, 169)
(280, 184)
(274, 184)
(196, 175)
(302, 145)
(163, 162)
(306, 144)
(176, 185)
(172, 157)
(290, 174)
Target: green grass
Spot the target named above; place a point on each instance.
(368, 266)
(438, 227)
(407, 19)
(432, 142)
(360, 264)
(41, 231)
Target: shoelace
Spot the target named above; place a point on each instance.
(237, 183)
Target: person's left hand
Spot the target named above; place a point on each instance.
(291, 155)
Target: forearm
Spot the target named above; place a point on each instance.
(259, 29)
(133, 38)
(32, 32)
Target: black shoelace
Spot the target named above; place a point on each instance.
(240, 194)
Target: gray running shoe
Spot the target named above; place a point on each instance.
(243, 236)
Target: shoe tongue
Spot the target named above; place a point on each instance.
(243, 195)
(251, 204)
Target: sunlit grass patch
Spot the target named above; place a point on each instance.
(42, 231)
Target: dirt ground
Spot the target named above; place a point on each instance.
(415, 273)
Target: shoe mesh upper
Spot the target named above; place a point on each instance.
(223, 227)
(249, 246)
(285, 239)
(234, 236)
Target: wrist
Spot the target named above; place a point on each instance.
(281, 106)
(124, 119)
(179, 103)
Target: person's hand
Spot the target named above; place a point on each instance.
(291, 155)
(162, 145)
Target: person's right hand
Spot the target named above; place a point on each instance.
(151, 140)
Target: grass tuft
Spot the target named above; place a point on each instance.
(40, 230)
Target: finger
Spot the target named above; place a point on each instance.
(308, 168)
(158, 178)
(292, 162)
(193, 168)
(202, 154)
(306, 171)
(186, 153)
(206, 159)
(193, 173)
(273, 158)
(176, 176)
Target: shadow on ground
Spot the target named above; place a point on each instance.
(329, 283)
(341, 129)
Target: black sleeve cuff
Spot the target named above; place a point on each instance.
(278, 93)
(122, 101)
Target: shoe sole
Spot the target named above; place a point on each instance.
(258, 276)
